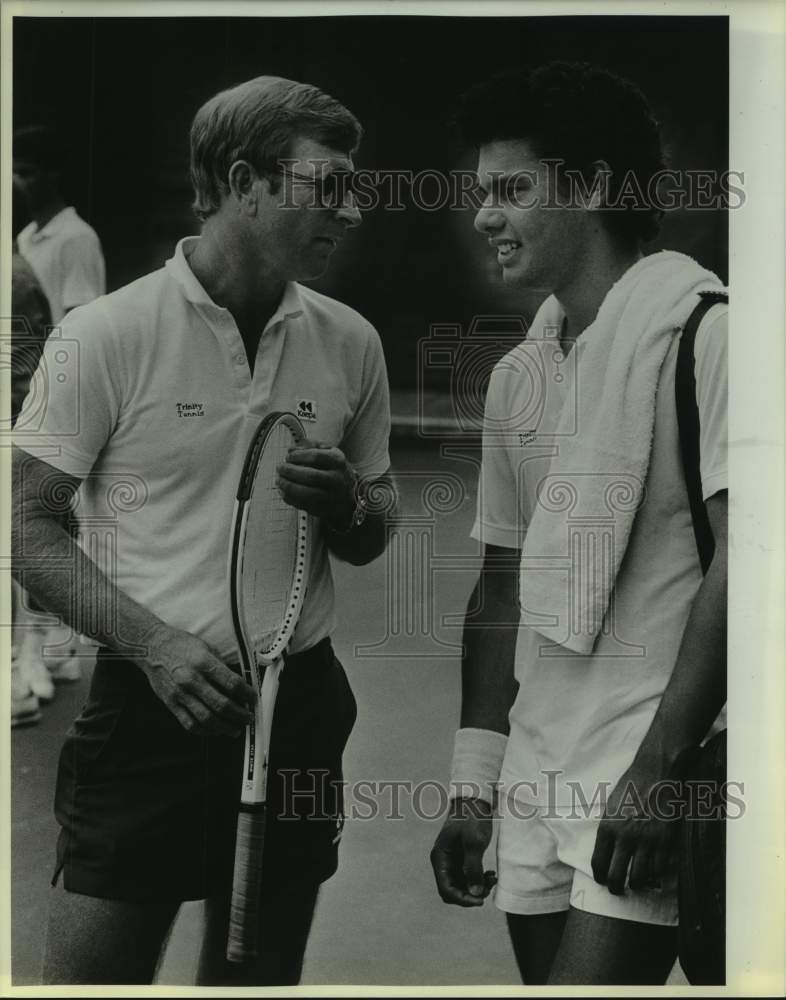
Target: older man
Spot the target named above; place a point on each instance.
(149, 779)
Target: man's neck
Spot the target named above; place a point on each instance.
(42, 214)
(582, 298)
(233, 280)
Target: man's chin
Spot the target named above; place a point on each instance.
(526, 279)
(310, 271)
(516, 277)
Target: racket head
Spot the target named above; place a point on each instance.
(269, 554)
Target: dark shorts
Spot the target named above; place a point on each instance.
(149, 811)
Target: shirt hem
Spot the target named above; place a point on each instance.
(533, 903)
(714, 483)
(507, 538)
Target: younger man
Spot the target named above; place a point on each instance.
(594, 641)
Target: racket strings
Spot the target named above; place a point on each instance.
(274, 550)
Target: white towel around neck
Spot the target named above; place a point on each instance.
(597, 478)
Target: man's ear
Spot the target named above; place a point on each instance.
(243, 186)
(599, 192)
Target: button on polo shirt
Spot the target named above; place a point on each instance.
(147, 392)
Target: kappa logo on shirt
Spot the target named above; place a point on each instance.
(307, 410)
(190, 409)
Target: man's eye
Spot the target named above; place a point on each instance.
(516, 188)
(336, 186)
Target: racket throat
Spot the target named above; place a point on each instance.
(256, 760)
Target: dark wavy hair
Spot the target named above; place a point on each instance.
(577, 113)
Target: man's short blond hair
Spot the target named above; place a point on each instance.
(258, 121)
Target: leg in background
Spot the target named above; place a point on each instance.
(104, 941)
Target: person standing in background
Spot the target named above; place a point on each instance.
(62, 249)
(64, 254)
(30, 681)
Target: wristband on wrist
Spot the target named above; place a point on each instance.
(477, 762)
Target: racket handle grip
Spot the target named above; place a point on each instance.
(243, 937)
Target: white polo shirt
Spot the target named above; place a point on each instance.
(147, 392)
(582, 718)
(67, 259)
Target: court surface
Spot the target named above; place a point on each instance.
(379, 920)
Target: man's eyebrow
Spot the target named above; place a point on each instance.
(495, 179)
(318, 166)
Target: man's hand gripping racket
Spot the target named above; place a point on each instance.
(268, 575)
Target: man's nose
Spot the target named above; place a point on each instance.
(489, 217)
(348, 213)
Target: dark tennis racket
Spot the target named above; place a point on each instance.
(268, 574)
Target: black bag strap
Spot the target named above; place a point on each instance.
(689, 427)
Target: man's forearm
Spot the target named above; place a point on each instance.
(49, 564)
(488, 685)
(696, 691)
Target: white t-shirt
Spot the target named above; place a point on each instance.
(585, 716)
(147, 392)
(66, 258)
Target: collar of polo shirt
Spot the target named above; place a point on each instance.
(53, 226)
(289, 307)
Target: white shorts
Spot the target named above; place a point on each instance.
(543, 866)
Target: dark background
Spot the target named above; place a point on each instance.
(124, 90)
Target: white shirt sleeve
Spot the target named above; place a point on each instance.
(75, 395)
(712, 395)
(367, 434)
(82, 267)
(498, 519)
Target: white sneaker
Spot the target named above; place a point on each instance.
(24, 704)
(39, 679)
(62, 663)
(30, 667)
(66, 671)
(25, 711)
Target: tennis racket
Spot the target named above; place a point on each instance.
(268, 570)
